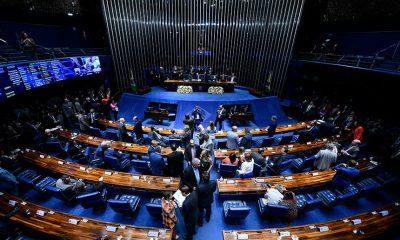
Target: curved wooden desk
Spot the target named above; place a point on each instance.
(56, 224)
(220, 134)
(372, 224)
(292, 148)
(120, 146)
(117, 179)
(238, 186)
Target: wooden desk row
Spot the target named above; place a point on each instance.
(66, 226)
(361, 226)
(120, 146)
(276, 150)
(109, 177)
(238, 186)
(219, 154)
(220, 134)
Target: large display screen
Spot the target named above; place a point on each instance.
(20, 77)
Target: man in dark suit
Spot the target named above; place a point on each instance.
(197, 117)
(189, 211)
(190, 122)
(192, 175)
(192, 151)
(157, 163)
(206, 197)
(175, 162)
(138, 130)
(186, 136)
(221, 115)
(272, 126)
(93, 117)
(122, 131)
(246, 140)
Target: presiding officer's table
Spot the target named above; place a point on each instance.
(199, 86)
(59, 225)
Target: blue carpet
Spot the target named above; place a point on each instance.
(263, 108)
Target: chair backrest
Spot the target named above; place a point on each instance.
(140, 165)
(42, 184)
(227, 170)
(277, 209)
(247, 175)
(96, 132)
(119, 205)
(154, 207)
(113, 161)
(286, 139)
(276, 141)
(221, 144)
(256, 143)
(256, 170)
(267, 142)
(238, 212)
(111, 134)
(93, 199)
(177, 142)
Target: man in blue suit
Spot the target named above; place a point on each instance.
(246, 140)
(157, 163)
(197, 117)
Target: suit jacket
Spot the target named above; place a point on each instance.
(188, 152)
(272, 129)
(206, 193)
(197, 116)
(246, 141)
(189, 178)
(93, 119)
(186, 138)
(138, 130)
(122, 132)
(221, 114)
(189, 122)
(175, 163)
(157, 164)
(190, 208)
(232, 141)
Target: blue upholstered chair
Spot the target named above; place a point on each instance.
(328, 197)
(54, 148)
(346, 193)
(41, 186)
(124, 203)
(257, 143)
(141, 166)
(111, 134)
(301, 163)
(235, 210)
(154, 207)
(368, 185)
(221, 144)
(227, 170)
(175, 141)
(267, 142)
(272, 210)
(385, 178)
(257, 170)
(308, 201)
(276, 141)
(295, 138)
(117, 163)
(93, 200)
(247, 175)
(96, 132)
(53, 191)
(286, 139)
(28, 177)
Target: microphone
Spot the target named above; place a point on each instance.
(3, 41)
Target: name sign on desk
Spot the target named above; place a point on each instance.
(73, 221)
(108, 173)
(111, 229)
(259, 180)
(82, 168)
(242, 236)
(288, 178)
(224, 151)
(41, 156)
(60, 162)
(230, 181)
(323, 228)
(40, 212)
(308, 143)
(166, 180)
(356, 221)
(152, 234)
(135, 177)
(12, 203)
(315, 174)
(384, 213)
(284, 234)
(90, 138)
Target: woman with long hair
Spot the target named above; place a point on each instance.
(168, 214)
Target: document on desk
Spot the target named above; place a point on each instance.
(179, 198)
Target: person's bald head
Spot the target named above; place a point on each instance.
(196, 162)
(234, 128)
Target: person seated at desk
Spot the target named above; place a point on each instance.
(273, 195)
(325, 157)
(70, 185)
(123, 134)
(272, 126)
(197, 117)
(154, 135)
(152, 147)
(247, 165)
(246, 140)
(274, 162)
(232, 141)
(192, 151)
(8, 181)
(231, 159)
(157, 163)
(351, 151)
(138, 130)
